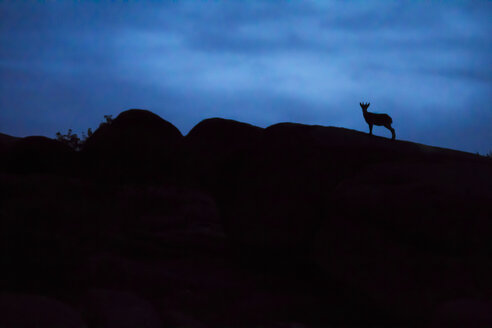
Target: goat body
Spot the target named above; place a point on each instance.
(377, 119)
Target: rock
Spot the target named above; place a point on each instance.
(463, 313)
(23, 310)
(138, 146)
(322, 226)
(37, 154)
(110, 308)
(215, 149)
(277, 200)
(223, 135)
(282, 189)
(168, 219)
(47, 227)
(6, 142)
(177, 318)
(446, 204)
(409, 235)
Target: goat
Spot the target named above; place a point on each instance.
(377, 119)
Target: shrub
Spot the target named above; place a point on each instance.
(72, 139)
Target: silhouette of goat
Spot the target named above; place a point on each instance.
(377, 119)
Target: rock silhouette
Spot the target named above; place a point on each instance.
(38, 154)
(6, 141)
(23, 310)
(214, 149)
(137, 146)
(291, 225)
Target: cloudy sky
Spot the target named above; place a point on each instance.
(427, 64)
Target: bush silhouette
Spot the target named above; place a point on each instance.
(72, 139)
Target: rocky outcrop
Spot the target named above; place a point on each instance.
(6, 142)
(285, 184)
(25, 310)
(214, 150)
(277, 203)
(37, 154)
(410, 235)
(138, 146)
(118, 309)
(234, 224)
(463, 313)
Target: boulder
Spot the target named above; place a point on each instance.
(37, 154)
(445, 205)
(110, 308)
(47, 225)
(6, 142)
(138, 146)
(463, 313)
(410, 235)
(283, 188)
(214, 150)
(277, 202)
(25, 310)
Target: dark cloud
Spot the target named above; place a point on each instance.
(428, 64)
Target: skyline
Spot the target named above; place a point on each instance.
(426, 64)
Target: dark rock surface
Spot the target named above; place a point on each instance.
(404, 230)
(214, 151)
(138, 146)
(38, 154)
(235, 225)
(119, 309)
(277, 201)
(463, 313)
(24, 310)
(6, 141)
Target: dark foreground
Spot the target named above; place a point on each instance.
(234, 225)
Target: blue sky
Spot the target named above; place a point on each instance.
(426, 63)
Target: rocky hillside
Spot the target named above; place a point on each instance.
(236, 225)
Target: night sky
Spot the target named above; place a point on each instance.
(427, 64)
